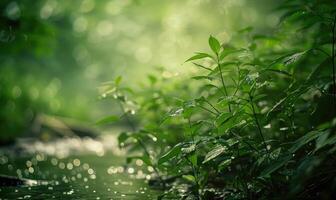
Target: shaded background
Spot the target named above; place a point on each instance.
(54, 54)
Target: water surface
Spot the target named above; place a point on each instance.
(73, 169)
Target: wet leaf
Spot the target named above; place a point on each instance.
(173, 152)
(224, 164)
(189, 149)
(214, 153)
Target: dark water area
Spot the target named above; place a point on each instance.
(73, 169)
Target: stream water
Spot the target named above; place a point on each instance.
(73, 168)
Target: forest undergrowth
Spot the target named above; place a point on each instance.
(256, 121)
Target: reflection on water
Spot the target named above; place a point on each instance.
(73, 169)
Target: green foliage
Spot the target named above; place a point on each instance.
(107, 120)
(261, 123)
(37, 63)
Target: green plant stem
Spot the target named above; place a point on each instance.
(323, 51)
(195, 175)
(212, 106)
(210, 111)
(201, 66)
(126, 117)
(147, 153)
(257, 123)
(139, 140)
(333, 63)
(237, 88)
(191, 133)
(291, 118)
(248, 144)
(195, 171)
(222, 80)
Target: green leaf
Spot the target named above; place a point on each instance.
(306, 139)
(189, 149)
(152, 79)
(231, 141)
(275, 165)
(227, 52)
(199, 56)
(190, 178)
(222, 118)
(176, 150)
(175, 112)
(275, 154)
(195, 127)
(321, 69)
(322, 141)
(276, 106)
(214, 44)
(289, 58)
(123, 137)
(224, 164)
(202, 78)
(118, 80)
(283, 72)
(293, 15)
(201, 66)
(259, 97)
(107, 120)
(293, 58)
(193, 159)
(214, 153)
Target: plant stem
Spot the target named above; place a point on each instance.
(210, 111)
(147, 153)
(195, 170)
(126, 117)
(139, 140)
(212, 106)
(257, 123)
(222, 80)
(333, 63)
(196, 177)
(321, 50)
(247, 143)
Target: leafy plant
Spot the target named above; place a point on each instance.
(260, 124)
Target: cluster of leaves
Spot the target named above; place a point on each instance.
(262, 122)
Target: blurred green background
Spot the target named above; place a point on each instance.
(55, 53)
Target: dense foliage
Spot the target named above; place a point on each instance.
(261, 123)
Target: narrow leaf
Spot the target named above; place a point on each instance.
(275, 165)
(107, 120)
(306, 139)
(214, 44)
(190, 178)
(199, 56)
(218, 150)
(176, 150)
